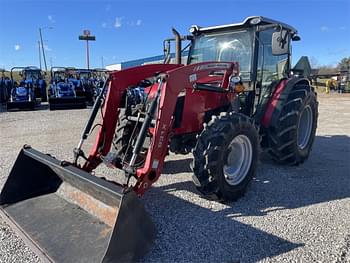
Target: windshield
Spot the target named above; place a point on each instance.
(229, 46)
(84, 75)
(59, 75)
(35, 75)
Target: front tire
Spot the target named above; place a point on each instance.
(291, 137)
(122, 136)
(124, 139)
(225, 157)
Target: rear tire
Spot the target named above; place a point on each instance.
(291, 137)
(225, 157)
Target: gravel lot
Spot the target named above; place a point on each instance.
(291, 214)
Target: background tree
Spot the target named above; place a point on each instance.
(344, 64)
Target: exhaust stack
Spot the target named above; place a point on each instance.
(177, 46)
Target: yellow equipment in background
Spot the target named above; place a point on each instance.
(331, 84)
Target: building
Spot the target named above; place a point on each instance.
(144, 61)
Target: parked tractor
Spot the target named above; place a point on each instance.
(29, 91)
(235, 97)
(87, 84)
(5, 86)
(64, 90)
(99, 76)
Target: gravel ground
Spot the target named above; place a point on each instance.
(291, 214)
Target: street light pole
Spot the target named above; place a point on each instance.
(87, 54)
(87, 37)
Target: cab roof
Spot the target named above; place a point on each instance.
(248, 22)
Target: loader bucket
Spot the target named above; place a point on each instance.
(21, 105)
(68, 215)
(67, 103)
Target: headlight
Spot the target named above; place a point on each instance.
(255, 21)
(235, 79)
(194, 29)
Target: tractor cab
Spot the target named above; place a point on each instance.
(86, 84)
(58, 75)
(260, 45)
(32, 74)
(60, 85)
(84, 74)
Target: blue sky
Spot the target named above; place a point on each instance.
(128, 30)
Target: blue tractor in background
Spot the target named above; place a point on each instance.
(87, 84)
(29, 91)
(65, 90)
(99, 76)
(5, 86)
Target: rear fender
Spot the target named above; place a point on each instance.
(279, 95)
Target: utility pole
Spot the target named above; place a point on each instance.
(42, 44)
(39, 54)
(102, 64)
(42, 48)
(87, 37)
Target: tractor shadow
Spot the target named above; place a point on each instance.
(324, 177)
(190, 231)
(44, 106)
(177, 166)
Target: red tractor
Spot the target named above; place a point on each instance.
(235, 96)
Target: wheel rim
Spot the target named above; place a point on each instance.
(239, 158)
(305, 127)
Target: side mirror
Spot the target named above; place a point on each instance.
(296, 38)
(280, 42)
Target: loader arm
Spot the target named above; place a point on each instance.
(174, 81)
(120, 81)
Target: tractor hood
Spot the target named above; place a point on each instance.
(21, 91)
(75, 82)
(64, 88)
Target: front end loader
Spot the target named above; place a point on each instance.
(68, 215)
(235, 97)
